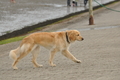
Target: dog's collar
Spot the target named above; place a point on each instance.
(67, 38)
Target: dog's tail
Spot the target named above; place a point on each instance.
(14, 53)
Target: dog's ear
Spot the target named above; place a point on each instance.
(71, 35)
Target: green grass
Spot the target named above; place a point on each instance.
(12, 40)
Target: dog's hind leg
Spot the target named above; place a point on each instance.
(25, 49)
(67, 54)
(35, 53)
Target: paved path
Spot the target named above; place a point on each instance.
(99, 52)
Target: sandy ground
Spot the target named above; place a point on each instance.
(99, 52)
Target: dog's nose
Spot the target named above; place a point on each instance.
(82, 38)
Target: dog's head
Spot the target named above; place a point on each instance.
(74, 35)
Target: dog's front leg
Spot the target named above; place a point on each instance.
(52, 54)
(67, 54)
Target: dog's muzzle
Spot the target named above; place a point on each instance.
(82, 39)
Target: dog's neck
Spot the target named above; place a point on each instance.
(67, 39)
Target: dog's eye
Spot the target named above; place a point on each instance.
(78, 35)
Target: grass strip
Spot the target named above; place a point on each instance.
(12, 40)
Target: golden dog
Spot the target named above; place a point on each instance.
(54, 41)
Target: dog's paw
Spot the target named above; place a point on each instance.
(78, 61)
(15, 68)
(53, 65)
(38, 66)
